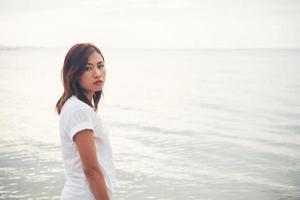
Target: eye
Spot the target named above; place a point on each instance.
(100, 66)
(88, 68)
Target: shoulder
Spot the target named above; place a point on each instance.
(74, 105)
(76, 113)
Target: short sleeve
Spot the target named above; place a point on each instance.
(79, 120)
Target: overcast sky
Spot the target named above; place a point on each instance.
(152, 23)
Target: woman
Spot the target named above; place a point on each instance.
(84, 138)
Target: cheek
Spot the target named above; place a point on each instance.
(83, 80)
(104, 73)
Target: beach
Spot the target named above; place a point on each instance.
(184, 123)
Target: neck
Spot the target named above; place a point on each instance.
(89, 96)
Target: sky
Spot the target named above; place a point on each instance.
(234, 24)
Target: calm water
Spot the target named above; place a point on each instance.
(184, 124)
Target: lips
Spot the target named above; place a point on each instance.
(98, 82)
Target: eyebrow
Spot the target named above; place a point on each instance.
(92, 64)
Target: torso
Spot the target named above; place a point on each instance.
(76, 185)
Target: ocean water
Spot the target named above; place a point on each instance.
(184, 124)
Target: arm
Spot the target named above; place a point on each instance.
(87, 150)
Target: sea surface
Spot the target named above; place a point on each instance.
(184, 124)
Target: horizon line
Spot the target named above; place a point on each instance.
(5, 47)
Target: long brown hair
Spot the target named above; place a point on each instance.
(74, 66)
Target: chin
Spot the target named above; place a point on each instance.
(97, 90)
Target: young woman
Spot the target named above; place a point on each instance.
(84, 138)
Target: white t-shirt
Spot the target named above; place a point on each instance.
(75, 116)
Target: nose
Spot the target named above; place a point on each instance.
(97, 72)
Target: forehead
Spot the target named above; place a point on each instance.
(95, 57)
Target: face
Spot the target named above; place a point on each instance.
(94, 73)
